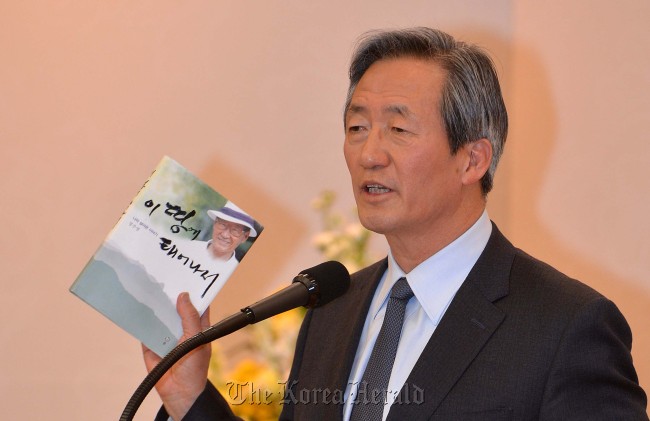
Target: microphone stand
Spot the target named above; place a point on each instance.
(223, 328)
(303, 291)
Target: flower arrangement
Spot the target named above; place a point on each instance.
(340, 239)
(255, 386)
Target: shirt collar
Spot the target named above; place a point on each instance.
(435, 281)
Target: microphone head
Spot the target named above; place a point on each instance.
(330, 280)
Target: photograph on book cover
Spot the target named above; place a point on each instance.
(177, 235)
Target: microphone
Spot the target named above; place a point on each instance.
(312, 287)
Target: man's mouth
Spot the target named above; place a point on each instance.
(376, 189)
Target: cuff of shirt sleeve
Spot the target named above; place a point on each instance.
(209, 406)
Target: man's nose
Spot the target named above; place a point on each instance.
(373, 152)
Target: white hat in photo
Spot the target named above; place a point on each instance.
(230, 212)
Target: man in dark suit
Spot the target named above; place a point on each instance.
(484, 331)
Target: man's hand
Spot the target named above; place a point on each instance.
(184, 382)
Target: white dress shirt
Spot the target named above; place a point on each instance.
(434, 283)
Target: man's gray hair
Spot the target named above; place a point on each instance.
(472, 106)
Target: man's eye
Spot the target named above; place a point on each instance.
(355, 129)
(399, 130)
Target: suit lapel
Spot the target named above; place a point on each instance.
(346, 316)
(350, 333)
(467, 325)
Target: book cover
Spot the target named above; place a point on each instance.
(176, 235)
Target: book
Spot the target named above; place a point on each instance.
(176, 235)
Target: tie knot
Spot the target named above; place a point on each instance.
(401, 290)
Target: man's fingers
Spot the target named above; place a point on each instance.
(151, 359)
(190, 319)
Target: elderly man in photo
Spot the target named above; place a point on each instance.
(455, 323)
(231, 228)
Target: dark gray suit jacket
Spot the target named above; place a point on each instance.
(520, 341)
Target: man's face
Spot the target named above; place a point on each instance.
(226, 237)
(404, 178)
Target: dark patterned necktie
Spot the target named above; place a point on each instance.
(369, 403)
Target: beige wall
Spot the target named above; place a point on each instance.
(248, 95)
(579, 150)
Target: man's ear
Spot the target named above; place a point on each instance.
(479, 158)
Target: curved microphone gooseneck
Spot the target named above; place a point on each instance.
(313, 287)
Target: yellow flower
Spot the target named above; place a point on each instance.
(254, 391)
